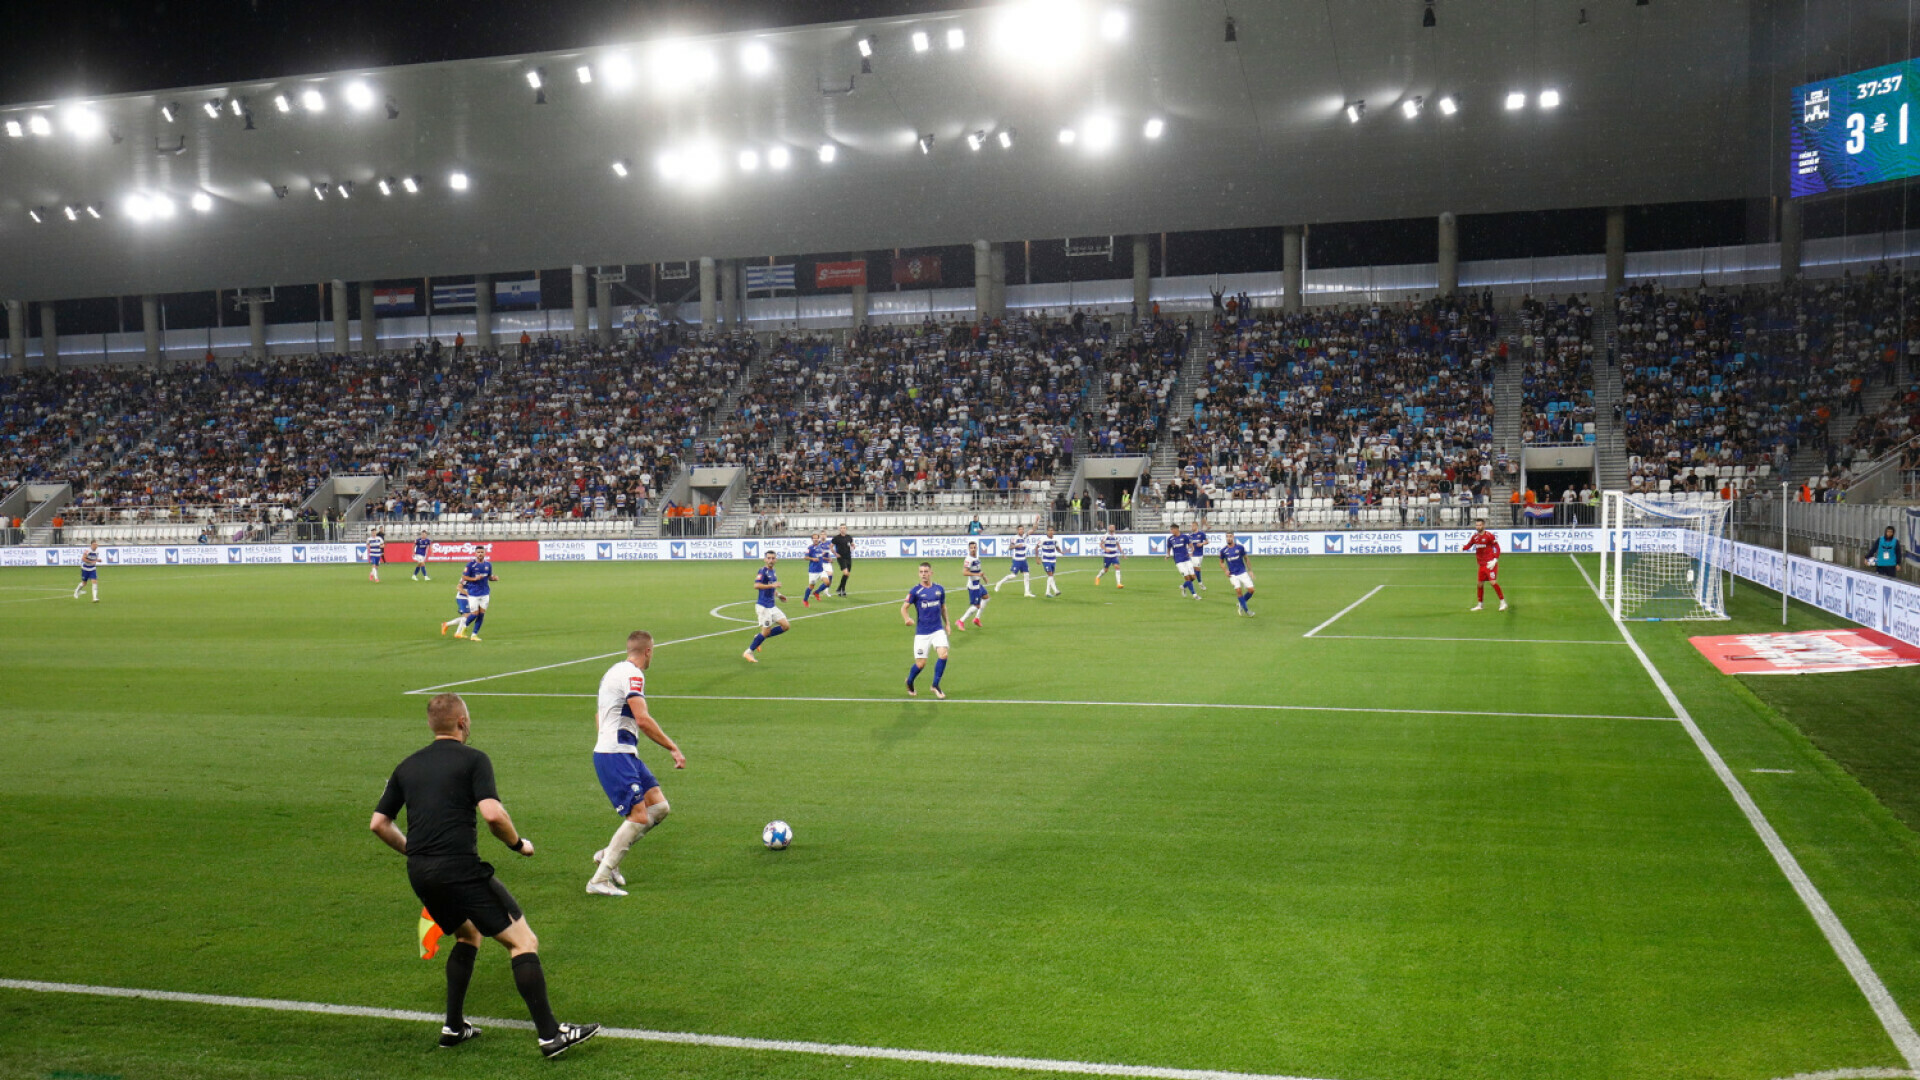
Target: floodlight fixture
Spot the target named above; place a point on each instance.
(312, 101)
(14, 130)
(620, 169)
(926, 143)
(616, 71)
(1410, 108)
(920, 42)
(1516, 101)
(39, 124)
(956, 39)
(161, 205)
(457, 181)
(201, 201)
(281, 103)
(756, 58)
(386, 186)
(72, 214)
(536, 78)
(828, 152)
(169, 112)
(584, 73)
(1006, 138)
(84, 122)
(1449, 105)
(1355, 110)
(866, 45)
(412, 184)
(1100, 132)
(976, 140)
(779, 158)
(212, 109)
(671, 167)
(345, 188)
(1549, 99)
(1113, 25)
(360, 95)
(1154, 127)
(320, 190)
(749, 160)
(35, 214)
(235, 104)
(93, 211)
(1067, 136)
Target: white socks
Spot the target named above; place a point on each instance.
(1116, 578)
(969, 613)
(1052, 589)
(623, 838)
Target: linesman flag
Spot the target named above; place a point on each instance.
(430, 935)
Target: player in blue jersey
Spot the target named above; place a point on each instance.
(420, 549)
(925, 609)
(89, 572)
(1197, 545)
(819, 568)
(1049, 550)
(976, 587)
(478, 578)
(464, 608)
(773, 621)
(1233, 562)
(376, 553)
(1017, 548)
(1180, 550)
(1110, 557)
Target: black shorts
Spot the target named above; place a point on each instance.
(845, 561)
(483, 901)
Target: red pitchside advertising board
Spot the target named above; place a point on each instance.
(400, 550)
(1807, 652)
(839, 275)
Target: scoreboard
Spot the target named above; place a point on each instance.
(1855, 130)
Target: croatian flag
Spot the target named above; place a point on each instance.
(1537, 513)
(524, 293)
(394, 302)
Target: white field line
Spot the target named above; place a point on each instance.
(1855, 1074)
(1898, 1028)
(35, 599)
(1343, 611)
(729, 1042)
(951, 700)
(1493, 640)
(657, 645)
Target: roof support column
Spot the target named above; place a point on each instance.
(257, 327)
(1449, 254)
(1142, 279)
(860, 292)
(342, 322)
(603, 300)
(1790, 238)
(997, 262)
(729, 294)
(982, 280)
(49, 337)
(483, 312)
(150, 326)
(709, 293)
(369, 322)
(16, 336)
(1293, 252)
(1616, 250)
(579, 303)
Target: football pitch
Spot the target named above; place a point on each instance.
(1366, 835)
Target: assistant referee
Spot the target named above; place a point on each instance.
(441, 786)
(843, 554)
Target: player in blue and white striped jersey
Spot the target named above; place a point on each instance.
(376, 553)
(976, 587)
(819, 568)
(1017, 548)
(1197, 544)
(1180, 550)
(89, 572)
(1233, 560)
(1050, 561)
(421, 547)
(1110, 557)
(463, 606)
(478, 578)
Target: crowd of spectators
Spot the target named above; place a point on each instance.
(1556, 377)
(1358, 403)
(1141, 371)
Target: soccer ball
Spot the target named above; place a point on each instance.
(777, 835)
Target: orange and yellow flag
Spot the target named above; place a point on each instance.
(430, 935)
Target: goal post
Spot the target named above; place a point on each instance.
(1660, 558)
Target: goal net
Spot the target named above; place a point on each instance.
(1660, 558)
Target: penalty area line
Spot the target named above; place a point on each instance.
(1344, 610)
(727, 1042)
(1898, 1028)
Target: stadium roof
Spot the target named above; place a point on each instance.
(1653, 107)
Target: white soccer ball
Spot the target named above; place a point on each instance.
(777, 835)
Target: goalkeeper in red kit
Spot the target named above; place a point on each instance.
(1485, 548)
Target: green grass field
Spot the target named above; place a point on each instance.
(1469, 845)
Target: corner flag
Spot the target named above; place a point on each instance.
(430, 935)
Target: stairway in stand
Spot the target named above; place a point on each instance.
(1609, 385)
(1508, 413)
(1810, 461)
(1180, 407)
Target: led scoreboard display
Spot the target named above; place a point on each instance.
(1854, 130)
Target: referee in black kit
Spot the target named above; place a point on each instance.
(441, 786)
(843, 554)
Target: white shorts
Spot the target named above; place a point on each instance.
(769, 616)
(419, 558)
(478, 603)
(1241, 581)
(1189, 566)
(924, 644)
(824, 575)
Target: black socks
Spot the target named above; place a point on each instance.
(459, 974)
(532, 983)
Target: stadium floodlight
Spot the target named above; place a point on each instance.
(679, 65)
(584, 73)
(1549, 99)
(457, 181)
(320, 190)
(1067, 136)
(1516, 101)
(755, 58)
(1100, 132)
(866, 46)
(93, 211)
(14, 130)
(84, 122)
(212, 109)
(412, 184)
(202, 202)
(620, 169)
(360, 96)
(616, 71)
(1154, 127)
(976, 140)
(137, 208)
(34, 213)
(671, 166)
(926, 143)
(161, 205)
(237, 106)
(1410, 108)
(72, 214)
(956, 39)
(312, 101)
(386, 186)
(1449, 105)
(1355, 110)
(1113, 25)
(281, 103)
(828, 152)
(345, 188)
(920, 42)
(39, 124)
(1006, 138)
(536, 78)
(749, 160)
(779, 158)
(169, 112)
